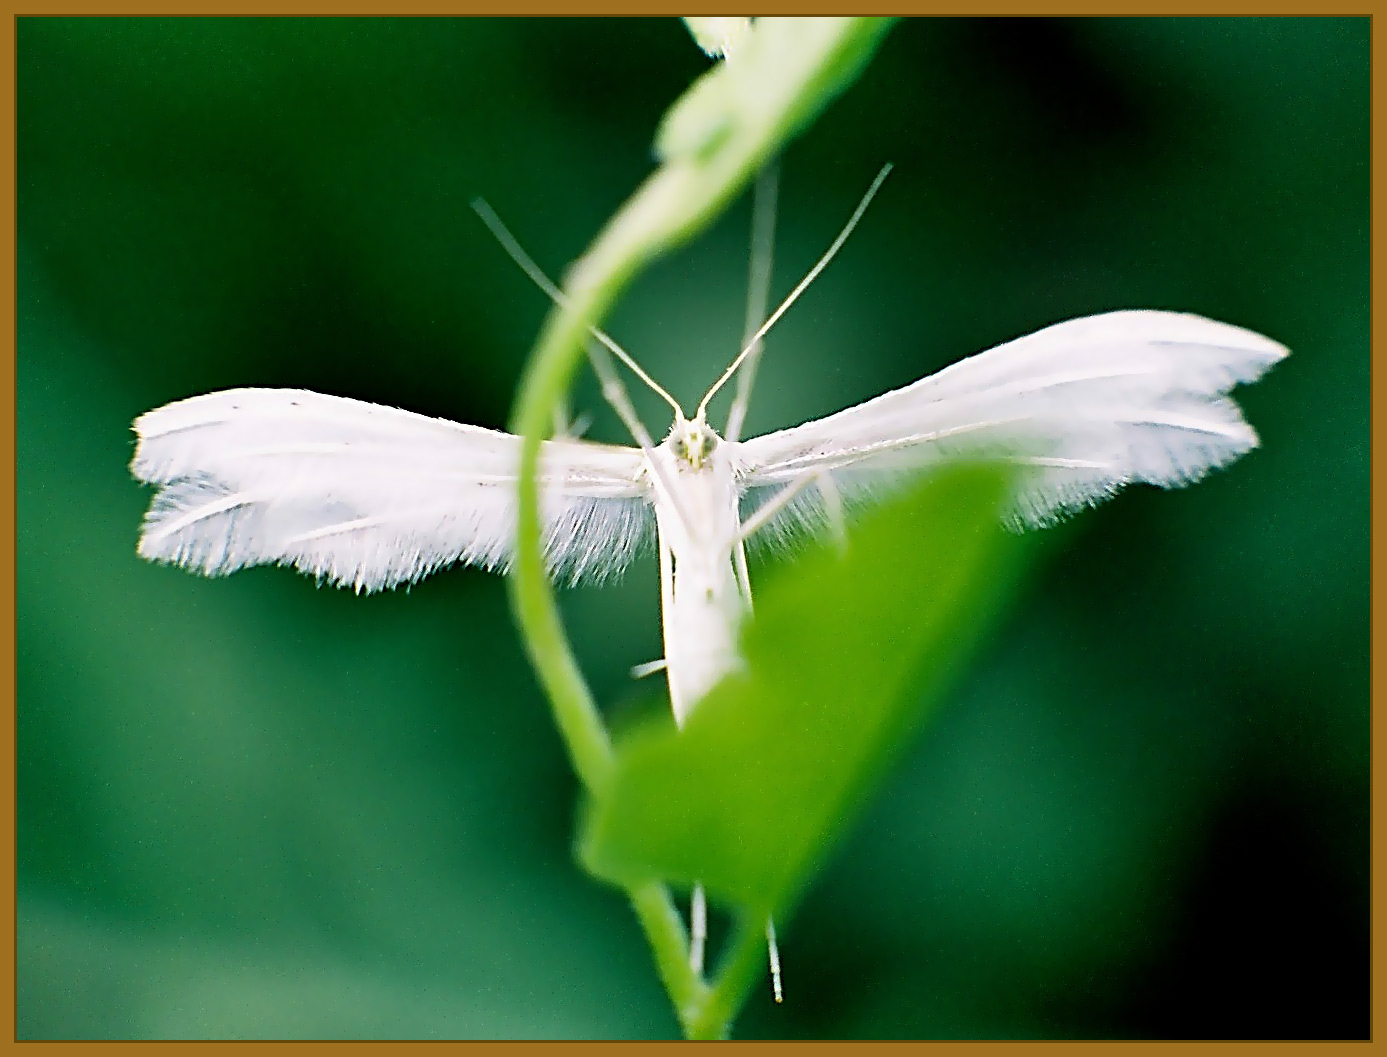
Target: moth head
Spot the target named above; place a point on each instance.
(692, 441)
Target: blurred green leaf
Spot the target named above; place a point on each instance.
(717, 36)
(848, 653)
(786, 71)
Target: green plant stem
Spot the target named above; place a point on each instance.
(669, 943)
(742, 965)
(694, 182)
(712, 141)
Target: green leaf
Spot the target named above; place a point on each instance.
(717, 36)
(848, 652)
(784, 72)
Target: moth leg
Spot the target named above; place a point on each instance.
(616, 396)
(833, 507)
(773, 949)
(758, 287)
(740, 571)
(698, 929)
(567, 426)
(768, 510)
(640, 671)
(667, 607)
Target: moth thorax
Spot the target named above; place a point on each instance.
(693, 442)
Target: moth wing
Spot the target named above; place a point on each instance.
(367, 496)
(1086, 406)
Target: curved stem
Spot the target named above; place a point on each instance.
(741, 967)
(669, 943)
(714, 138)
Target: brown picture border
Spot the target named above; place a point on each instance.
(530, 8)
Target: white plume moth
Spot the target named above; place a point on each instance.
(369, 497)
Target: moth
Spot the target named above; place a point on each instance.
(368, 497)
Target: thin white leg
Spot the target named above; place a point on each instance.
(774, 505)
(698, 929)
(833, 507)
(774, 950)
(640, 671)
(758, 287)
(739, 570)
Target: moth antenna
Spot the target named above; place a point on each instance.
(616, 395)
(758, 288)
(803, 284)
(612, 390)
(530, 268)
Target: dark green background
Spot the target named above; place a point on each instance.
(251, 807)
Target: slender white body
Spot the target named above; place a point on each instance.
(702, 599)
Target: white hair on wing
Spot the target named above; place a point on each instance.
(368, 497)
(1083, 407)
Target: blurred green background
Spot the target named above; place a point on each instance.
(254, 808)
